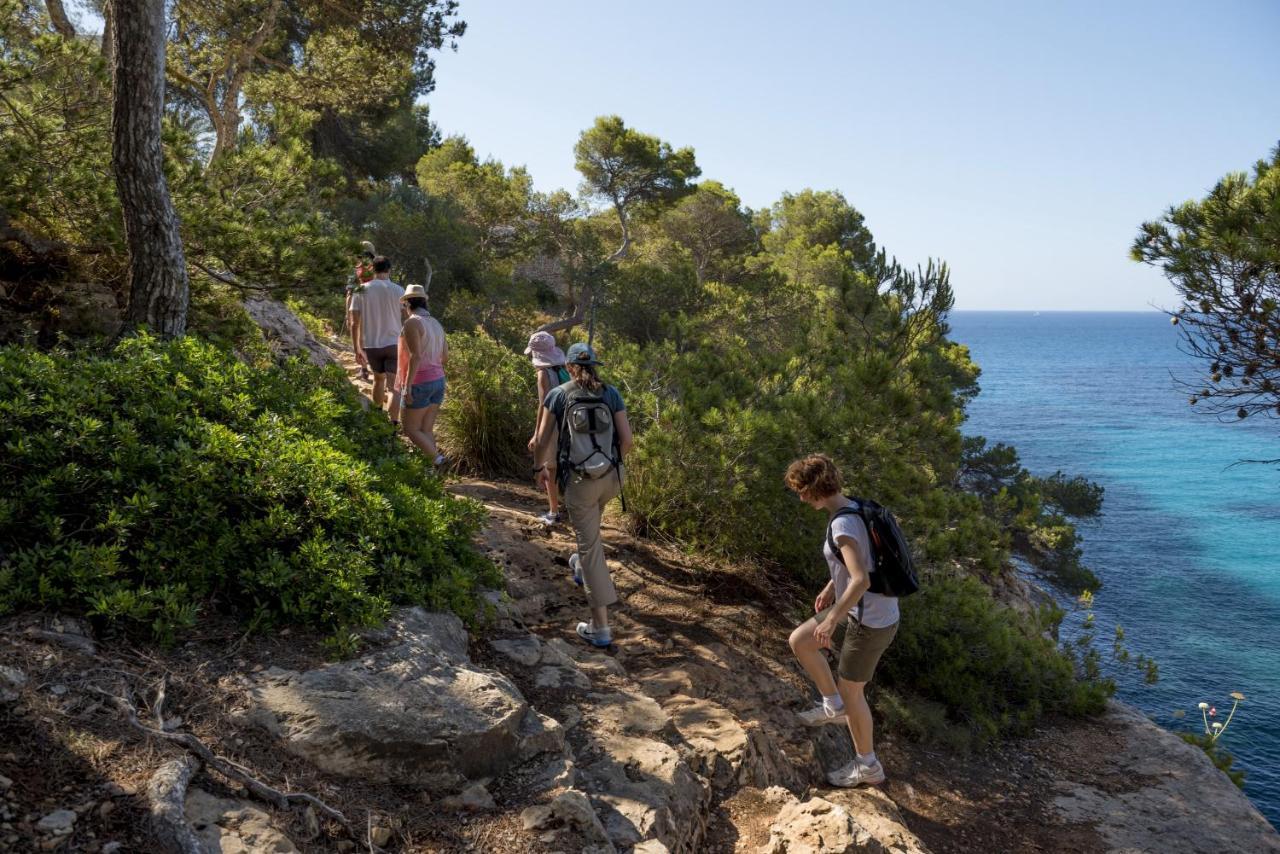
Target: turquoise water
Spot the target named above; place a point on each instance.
(1188, 546)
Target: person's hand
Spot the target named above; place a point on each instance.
(361, 359)
(542, 479)
(824, 599)
(531, 443)
(823, 631)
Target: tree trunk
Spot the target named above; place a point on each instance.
(108, 34)
(61, 23)
(160, 291)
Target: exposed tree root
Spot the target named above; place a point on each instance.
(228, 769)
(167, 795)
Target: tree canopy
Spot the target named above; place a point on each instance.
(1222, 254)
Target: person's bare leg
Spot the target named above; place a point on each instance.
(429, 428)
(553, 493)
(810, 656)
(858, 714)
(393, 408)
(600, 617)
(379, 389)
(413, 430)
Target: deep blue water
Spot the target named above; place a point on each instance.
(1187, 547)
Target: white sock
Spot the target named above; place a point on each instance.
(867, 759)
(835, 702)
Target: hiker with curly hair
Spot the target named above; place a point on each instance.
(848, 617)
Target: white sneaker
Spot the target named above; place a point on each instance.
(441, 459)
(856, 774)
(822, 714)
(575, 565)
(550, 519)
(593, 636)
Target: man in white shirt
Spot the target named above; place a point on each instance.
(375, 330)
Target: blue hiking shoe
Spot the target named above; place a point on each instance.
(575, 565)
(593, 636)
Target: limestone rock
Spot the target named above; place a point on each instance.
(574, 809)
(12, 681)
(233, 826)
(724, 751)
(647, 791)
(414, 711)
(536, 817)
(817, 826)
(58, 822)
(877, 814)
(1181, 804)
(284, 331)
(87, 309)
(628, 712)
(526, 650)
(474, 798)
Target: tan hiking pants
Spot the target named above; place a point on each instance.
(585, 500)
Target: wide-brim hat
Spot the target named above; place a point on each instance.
(366, 248)
(414, 291)
(542, 347)
(582, 354)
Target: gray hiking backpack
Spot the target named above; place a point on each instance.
(588, 442)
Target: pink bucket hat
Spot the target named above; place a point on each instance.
(542, 347)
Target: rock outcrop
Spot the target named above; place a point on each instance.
(415, 710)
(284, 332)
(234, 826)
(1172, 798)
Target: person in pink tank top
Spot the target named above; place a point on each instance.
(423, 352)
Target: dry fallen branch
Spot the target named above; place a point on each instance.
(167, 795)
(228, 769)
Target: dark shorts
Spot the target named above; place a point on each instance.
(382, 360)
(860, 647)
(430, 393)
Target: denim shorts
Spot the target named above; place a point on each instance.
(430, 393)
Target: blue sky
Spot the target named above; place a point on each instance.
(1021, 142)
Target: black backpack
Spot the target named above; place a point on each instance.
(893, 573)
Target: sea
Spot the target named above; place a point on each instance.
(1188, 542)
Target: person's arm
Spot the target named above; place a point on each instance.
(413, 339)
(544, 442)
(622, 427)
(825, 597)
(357, 332)
(859, 582)
(544, 389)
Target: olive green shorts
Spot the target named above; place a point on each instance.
(860, 646)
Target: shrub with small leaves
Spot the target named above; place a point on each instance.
(160, 481)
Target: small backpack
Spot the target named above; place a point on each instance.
(558, 374)
(893, 573)
(588, 443)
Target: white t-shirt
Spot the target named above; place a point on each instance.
(379, 305)
(878, 611)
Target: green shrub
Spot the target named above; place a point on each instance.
(994, 671)
(488, 414)
(147, 485)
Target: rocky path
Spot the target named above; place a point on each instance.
(683, 736)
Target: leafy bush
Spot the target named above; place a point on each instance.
(995, 673)
(147, 485)
(488, 415)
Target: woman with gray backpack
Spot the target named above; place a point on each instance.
(587, 436)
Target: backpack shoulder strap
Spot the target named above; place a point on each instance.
(849, 510)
